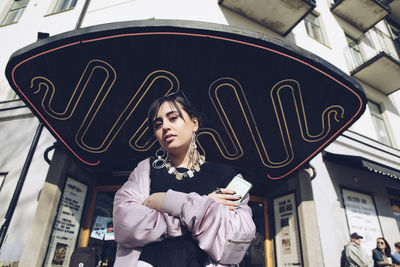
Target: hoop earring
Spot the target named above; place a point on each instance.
(160, 161)
(192, 148)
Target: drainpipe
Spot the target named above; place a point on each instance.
(18, 189)
(82, 15)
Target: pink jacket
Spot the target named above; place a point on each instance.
(224, 234)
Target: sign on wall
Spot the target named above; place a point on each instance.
(66, 228)
(362, 217)
(287, 232)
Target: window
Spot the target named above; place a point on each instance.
(15, 12)
(364, 48)
(355, 51)
(379, 123)
(395, 35)
(62, 5)
(314, 28)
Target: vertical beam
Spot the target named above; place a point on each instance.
(43, 221)
(308, 223)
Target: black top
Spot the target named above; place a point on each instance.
(210, 176)
(183, 251)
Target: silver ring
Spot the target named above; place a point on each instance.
(158, 163)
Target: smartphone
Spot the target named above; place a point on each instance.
(240, 186)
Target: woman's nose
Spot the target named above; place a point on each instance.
(165, 126)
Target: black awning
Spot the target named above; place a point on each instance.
(271, 106)
(363, 163)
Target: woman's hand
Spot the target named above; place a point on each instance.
(225, 197)
(154, 201)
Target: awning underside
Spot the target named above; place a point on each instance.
(360, 162)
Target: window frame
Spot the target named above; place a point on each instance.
(60, 6)
(355, 51)
(378, 116)
(16, 7)
(315, 24)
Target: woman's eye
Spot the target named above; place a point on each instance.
(157, 125)
(173, 118)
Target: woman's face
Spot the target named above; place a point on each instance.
(173, 132)
(380, 244)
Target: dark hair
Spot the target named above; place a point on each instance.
(397, 245)
(388, 251)
(175, 99)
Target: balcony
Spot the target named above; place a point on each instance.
(277, 15)
(395, 6)
(374, 60)
(362, 14)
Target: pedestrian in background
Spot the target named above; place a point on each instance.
(396, 255)
(382, 254)
(355, 255)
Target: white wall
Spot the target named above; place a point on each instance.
(16, 138)
(333, 51)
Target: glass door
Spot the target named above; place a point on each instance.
(259, 253)
(99, 231)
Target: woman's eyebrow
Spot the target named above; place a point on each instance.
(172, 112)
(168, 113)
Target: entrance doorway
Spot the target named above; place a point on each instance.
(98, 230)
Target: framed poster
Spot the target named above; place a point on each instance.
(66, 227)
(362, 217)
(287, 238)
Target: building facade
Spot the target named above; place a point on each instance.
(304, 220)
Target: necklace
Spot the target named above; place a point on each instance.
(200, 159)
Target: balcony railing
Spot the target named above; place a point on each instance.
(374, 59)
(368, 46)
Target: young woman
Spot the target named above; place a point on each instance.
(168, 213)
(382, 254)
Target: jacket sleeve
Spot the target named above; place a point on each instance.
(135, 224)
(223, 233)
(376, 256)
